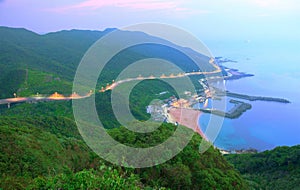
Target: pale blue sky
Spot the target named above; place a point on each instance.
(213, 19)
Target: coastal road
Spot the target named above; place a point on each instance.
(180, 75)
(53, 97)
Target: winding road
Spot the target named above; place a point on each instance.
(56, 96)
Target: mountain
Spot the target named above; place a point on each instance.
(49, 60)
(58, 54)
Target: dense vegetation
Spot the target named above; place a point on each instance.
(48, 152)
(26, 83)
(35, 148)
(41, 63)
(11, 82)
(58, 53)
(274, 169)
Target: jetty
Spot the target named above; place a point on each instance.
(256, 98)
(238, 109)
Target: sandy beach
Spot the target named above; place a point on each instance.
(186, 117)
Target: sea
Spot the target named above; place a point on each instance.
(276, 68)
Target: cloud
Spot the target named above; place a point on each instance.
(276, 4)
(170, 8)
(264, 15)
(176, 7)
(265, 3)
(131, 4)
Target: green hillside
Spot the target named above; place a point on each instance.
(274, 169)
(35, 148)
(31, 63)
(58, 53)
(11, 82)
(41, 151)
(26, 83)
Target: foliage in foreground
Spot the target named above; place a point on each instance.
(103, 178)
(35, 154)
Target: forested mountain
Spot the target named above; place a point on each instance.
(56, 56)
(32, 63)
(58, 53)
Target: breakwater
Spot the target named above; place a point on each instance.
(256, 98)
(235, 112)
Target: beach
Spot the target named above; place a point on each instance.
(186, 117)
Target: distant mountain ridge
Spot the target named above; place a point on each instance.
(57, 54)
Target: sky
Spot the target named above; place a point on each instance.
(213, 19)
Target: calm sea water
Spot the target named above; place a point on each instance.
(276, 66)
